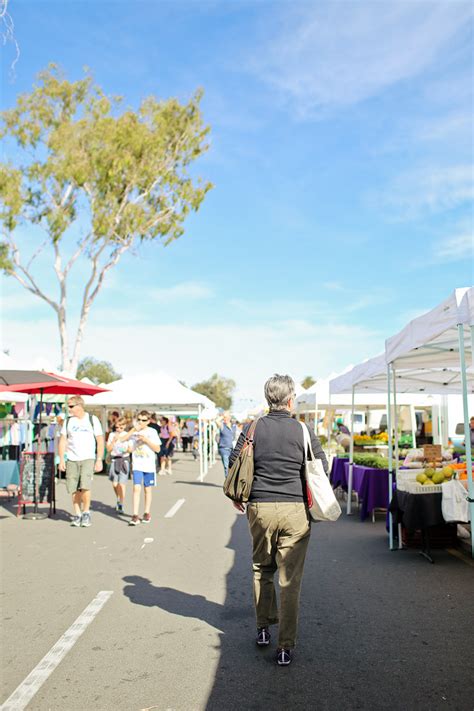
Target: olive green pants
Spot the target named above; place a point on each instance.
(280, 534)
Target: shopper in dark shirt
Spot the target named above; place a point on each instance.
(278, 515)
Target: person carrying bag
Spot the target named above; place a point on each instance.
(267, 480)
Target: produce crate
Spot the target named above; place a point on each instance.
(406, 481)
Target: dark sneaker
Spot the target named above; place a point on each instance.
(146, 518)
(284, 657)
(86, 520)
(134, 521)
(119, 507)
(263, 636)
(76, 521)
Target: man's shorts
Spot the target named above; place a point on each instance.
(145, 478)
(79, 475)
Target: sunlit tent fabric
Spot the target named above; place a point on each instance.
(433, 339)
(371, 377)
(155, 390)
(335, 392)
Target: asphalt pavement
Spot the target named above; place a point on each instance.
(174, 628)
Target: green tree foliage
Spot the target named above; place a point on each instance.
(217, 389)
(98, 179)
(307, 382)
(99, 371)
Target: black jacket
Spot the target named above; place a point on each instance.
(279, 458)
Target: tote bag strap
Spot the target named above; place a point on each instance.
(247, 446)
(307, 443)
(251, 431)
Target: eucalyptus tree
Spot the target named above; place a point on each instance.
(218, 389)
(98, 179)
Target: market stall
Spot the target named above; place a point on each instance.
(433, 354)
(37, 467)
(439, 347)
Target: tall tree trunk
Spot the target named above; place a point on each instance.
(65, 360)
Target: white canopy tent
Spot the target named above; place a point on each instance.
(164, 394)
(334, 393)
(430, 355)
(441, 341)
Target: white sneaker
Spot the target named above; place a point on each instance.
(86, 520)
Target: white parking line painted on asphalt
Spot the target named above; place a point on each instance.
(36, 678)
(175, 508)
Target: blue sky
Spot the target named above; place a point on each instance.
(341, 154)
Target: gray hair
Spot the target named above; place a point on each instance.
(278, 390)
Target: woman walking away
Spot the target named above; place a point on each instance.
(278, 514)
(120, 465)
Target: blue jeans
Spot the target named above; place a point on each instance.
(225, 456)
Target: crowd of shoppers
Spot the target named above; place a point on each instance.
(138, 448)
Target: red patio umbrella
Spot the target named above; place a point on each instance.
(37, 381)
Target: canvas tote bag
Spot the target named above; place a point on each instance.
(239, 480)
(322, 504)
(454, 502)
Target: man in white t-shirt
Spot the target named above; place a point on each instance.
(145, 443)
(82, 440)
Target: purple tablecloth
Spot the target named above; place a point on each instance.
(371, 485)
(338, 473)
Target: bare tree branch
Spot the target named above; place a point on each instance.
(76, 254)
(7, 32)
(37, 253)
(25, 278)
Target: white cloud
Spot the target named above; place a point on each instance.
(335, 54)
(454, 125)
(457, 247)
(246, 353)
(429, 190)
(186, 290)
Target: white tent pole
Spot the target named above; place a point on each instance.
(206, 448)
(395, 421)
(201, 467)
(315, 413)
(390, 457)
(444, 421)
(413, 425)
(351, 457)
(211, 443)
(397, 449)
(209, 434)
(467, 431)
(329, 416)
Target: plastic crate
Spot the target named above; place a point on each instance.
(416, 488)
(406, 481)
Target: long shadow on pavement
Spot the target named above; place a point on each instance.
(377, 629)
(107, 510)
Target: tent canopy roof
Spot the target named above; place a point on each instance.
(157, 390)
(425, 354)
(432, 340)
